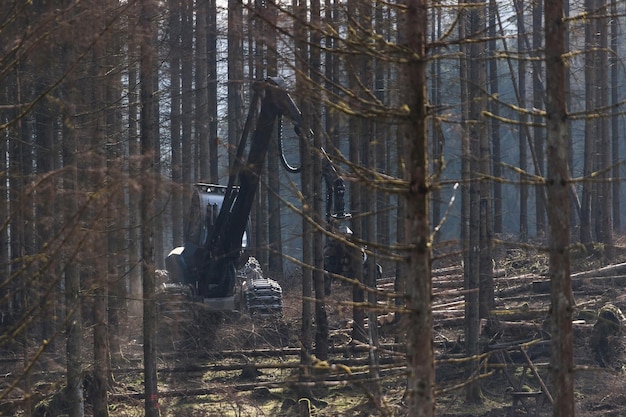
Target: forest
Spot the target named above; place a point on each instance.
(312, 208)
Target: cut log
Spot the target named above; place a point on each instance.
(610, 270)
(543, 286)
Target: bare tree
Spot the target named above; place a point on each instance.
(522, 117)
(274, 218)
(477, 240)
(235, 74)
(300, 8)
(73, 303)
(175, 30)
(202, 117)
(99, 269)
(148, 145)
(562, 302)
(604, 198)
(538, 147)
(494, 91)
(420, 359)
(615, 131)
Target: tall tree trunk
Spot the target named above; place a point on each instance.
(21, 234)
(258, 24)
(148, 145)
(99, 247)
(235, 75)
(615, 117)
(45, 126)
(494, 90)
(591, 127)
(486, 293)
(300, 8)
(201, 118)
(358, 132)
(562, 301)
(117, 214)
(420, 355)
(477, 131)
(274, 219)
(186, 48)
(175, 34)
(5, 270)
(212, 90)
(73, 304)
(135, 306)
(523, 130)
(538, 130)
(321, 318)
(604, 200)
(437, 134)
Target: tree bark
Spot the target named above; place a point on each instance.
(212, 90)
(201, 119)
(615, 117)
(522, 132)
(604, 200)
(274, 221)
(135, 306)
(562, 302)
(420, 360)
(148, 145)
(235, 74)
(99, 269)
(591, 128)
(300, 8)
(494, 107)
(321, 318)
(538, 131)
(175, 121)
(74, 322)
(478, 224)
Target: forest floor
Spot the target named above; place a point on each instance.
(245, 367)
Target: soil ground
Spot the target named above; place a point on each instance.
(243, 367)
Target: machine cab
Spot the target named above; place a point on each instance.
(184, 262)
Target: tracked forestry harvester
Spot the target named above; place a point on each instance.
(213, 266)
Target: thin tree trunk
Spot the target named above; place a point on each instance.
(538, 131)
(135, 306)
(257, 23)
(117, 213)
(175, 122)
(235, 74)
(477, 131)
(586, 223)
(148, 145)
(420, 355)
(321, 319)
(73, 322)
(201, 118)
(186, 48)
(604, 200)
(358, 132)
(306, 337)
(615, 117)
(274, 219)
(494, 90)
(562, 302)
(522, 132)
(437, 134)
(212, 90)
(99, 268)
